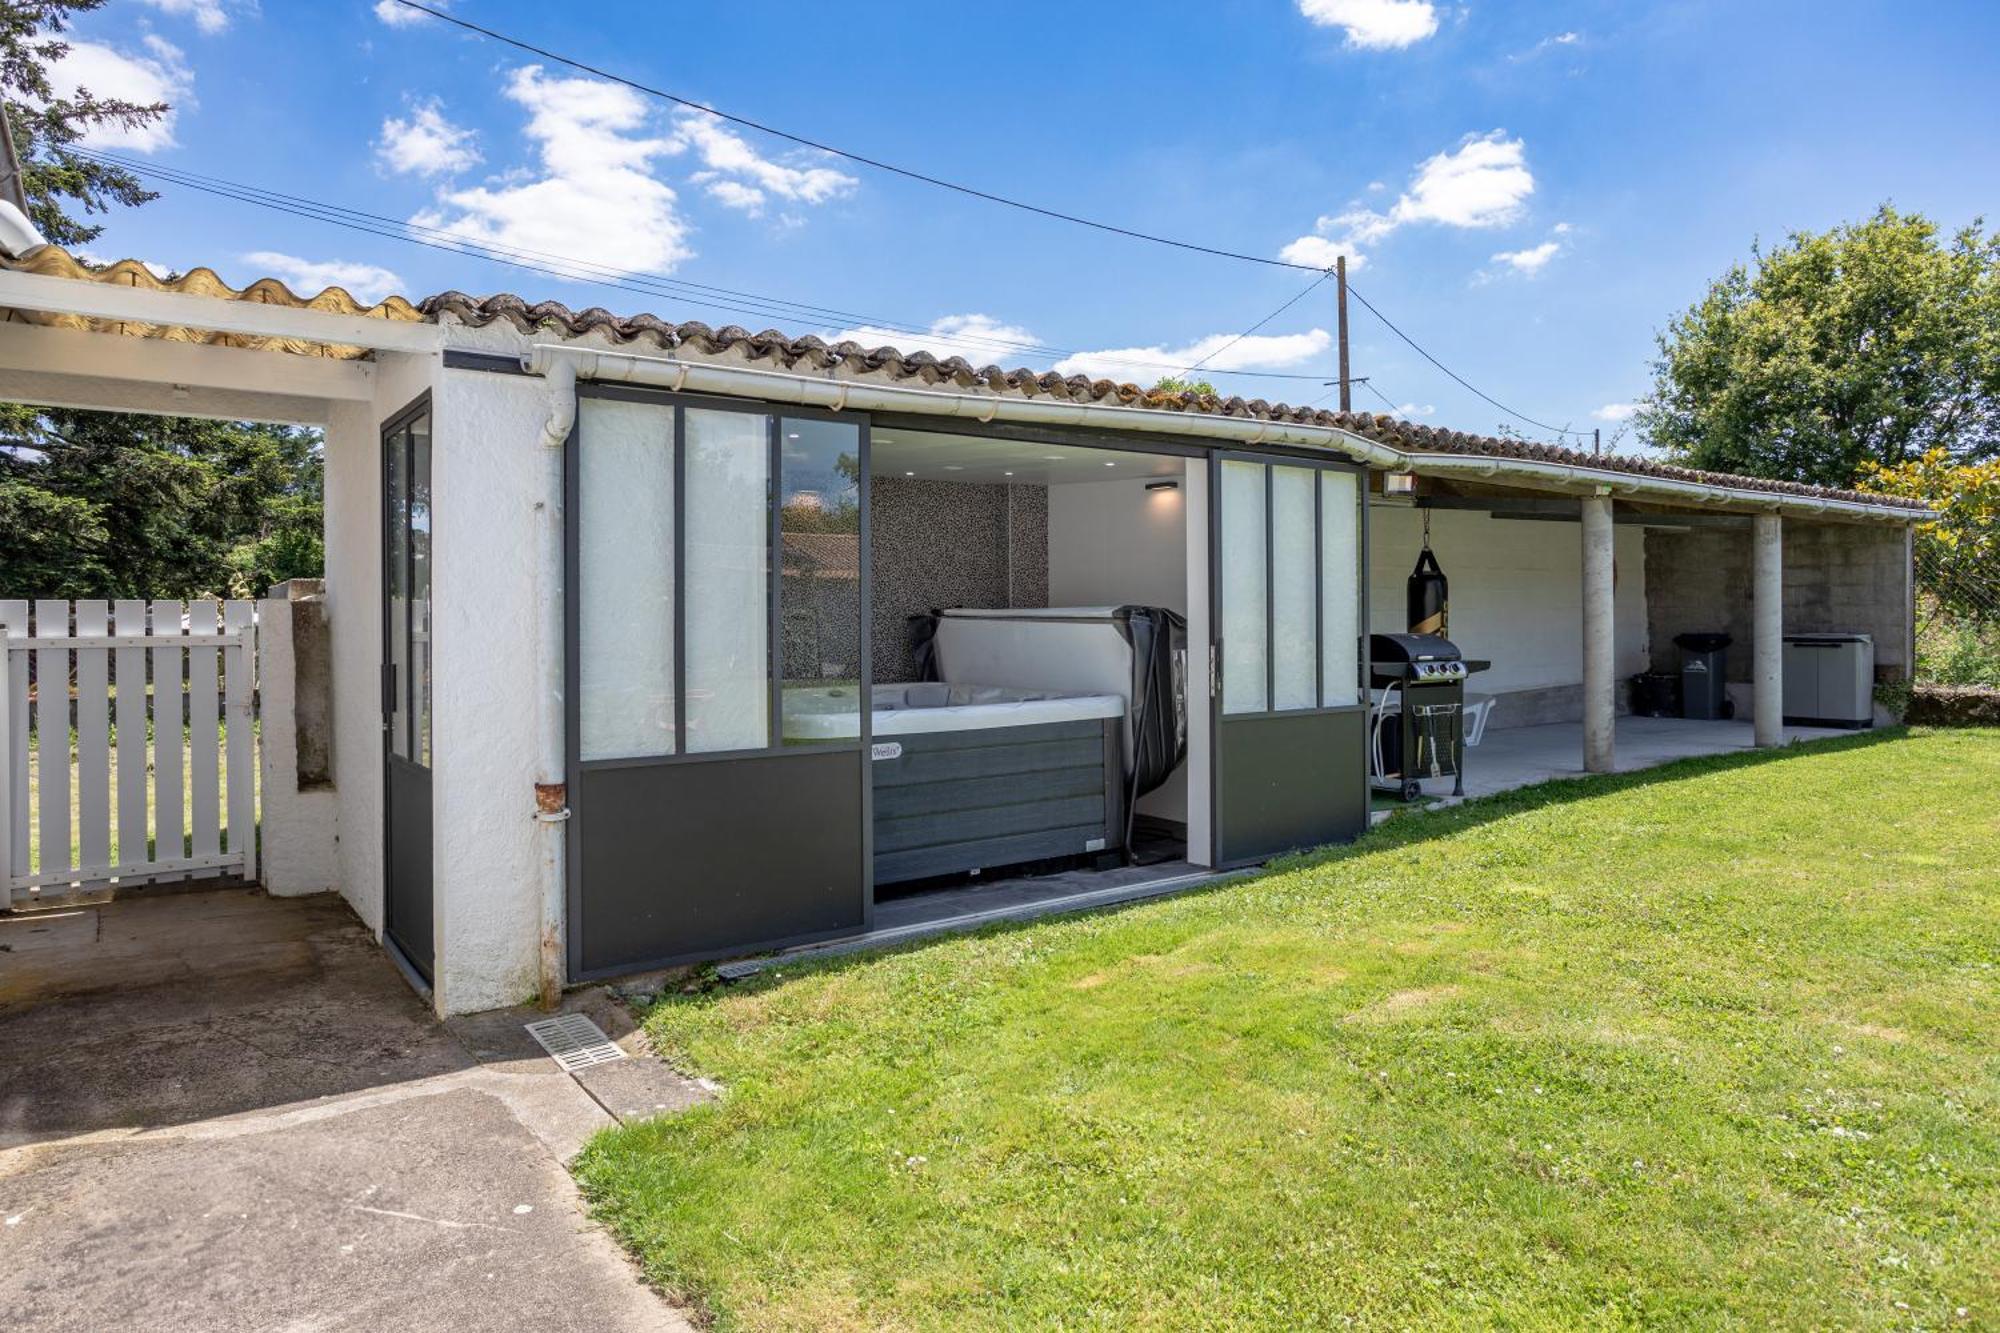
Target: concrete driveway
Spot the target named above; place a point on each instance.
(222, 1111)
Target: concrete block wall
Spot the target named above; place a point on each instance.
(1839, 577)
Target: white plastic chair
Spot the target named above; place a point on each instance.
(1477, 708)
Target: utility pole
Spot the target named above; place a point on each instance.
(11, 188)
(1597, 439)
(1340, 283)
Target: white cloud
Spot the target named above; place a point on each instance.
(402, 16)
(1375, 25)
(980, 339)
(210, 16)
(425, 144)
(1548, 44)
(595, 197)
(1218, 353)
(740, 177)
(1531, 260)
(160, 76)
(1616, 412)
(309, 277)
(1416, 410)
(1484, 182)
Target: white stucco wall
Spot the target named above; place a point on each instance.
(1516, 592)
(486, 478)
(1115, 543)
(299, 849)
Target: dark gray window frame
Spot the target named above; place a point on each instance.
(775, 414)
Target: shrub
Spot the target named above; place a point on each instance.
(1954, 706)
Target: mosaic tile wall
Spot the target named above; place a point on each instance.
(940, 543)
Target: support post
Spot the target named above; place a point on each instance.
(552, 764)
(1600, 703)
(1767, 672)
(1346, 383)
(7, 760)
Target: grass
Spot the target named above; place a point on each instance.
(1712, 1046)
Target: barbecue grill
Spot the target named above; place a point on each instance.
(1417, 729)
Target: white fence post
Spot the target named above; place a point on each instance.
(239, 618)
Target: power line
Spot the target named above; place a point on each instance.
(1310, 287)
(814, 144)
(1459, 379)
(570, 269)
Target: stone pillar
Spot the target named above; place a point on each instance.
(1600, 699)
(1767, 601)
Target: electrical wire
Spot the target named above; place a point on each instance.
(817, 146)
(570, 269)
(1459, 379)
(1310, 287)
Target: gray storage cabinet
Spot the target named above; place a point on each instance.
(1829, 680)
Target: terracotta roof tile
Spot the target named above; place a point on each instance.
(55, 262)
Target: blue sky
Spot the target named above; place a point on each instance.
(1532, 189)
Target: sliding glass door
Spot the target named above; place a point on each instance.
(719, 646)
(1288, 710)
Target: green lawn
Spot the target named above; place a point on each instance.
(1714, 1046)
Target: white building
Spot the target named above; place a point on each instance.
(615, 606)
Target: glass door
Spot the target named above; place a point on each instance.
(406, 684)
(1286, 584)
(718, 640)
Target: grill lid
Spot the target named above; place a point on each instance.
(1402, 649)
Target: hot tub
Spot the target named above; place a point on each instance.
(974, 777)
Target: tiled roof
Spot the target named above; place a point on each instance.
(816, 354)
(54, 262)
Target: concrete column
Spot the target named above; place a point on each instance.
(1767, 600)
(1600, 700)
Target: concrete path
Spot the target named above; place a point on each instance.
(220, 1111)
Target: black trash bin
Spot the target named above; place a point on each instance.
(1704, 675)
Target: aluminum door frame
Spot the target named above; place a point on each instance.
(416, 950)
(1220, 853)
(774, 752)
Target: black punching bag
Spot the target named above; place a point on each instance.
(1429, 598)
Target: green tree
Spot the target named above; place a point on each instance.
(1874, 342)
(110, 504)
(47, 127)
(1178, 384)
(106, 504)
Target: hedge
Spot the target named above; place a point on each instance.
(1954, 706)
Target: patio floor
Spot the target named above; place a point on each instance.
(1523, 756)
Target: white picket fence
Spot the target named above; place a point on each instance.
(159, 783)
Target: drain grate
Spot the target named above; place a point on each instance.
(574, 1042)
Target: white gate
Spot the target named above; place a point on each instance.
(132, 760)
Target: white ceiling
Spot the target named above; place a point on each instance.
(936, 456)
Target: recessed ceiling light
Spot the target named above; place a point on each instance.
(1006, 474)
(909, 474)
(793, 436)
(1053, 458)
(1111, 465)
(954, 467)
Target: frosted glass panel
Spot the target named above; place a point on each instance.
(1340, 589)
(728, 606)
(625, 579)
(1244, 686)
(1294, 664)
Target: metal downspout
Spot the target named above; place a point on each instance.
(551, 779)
